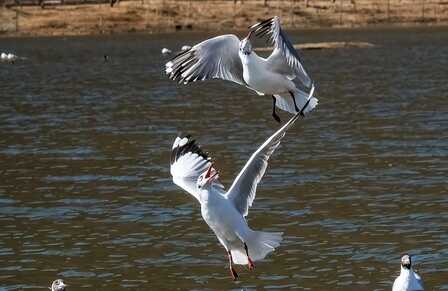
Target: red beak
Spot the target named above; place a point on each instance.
(209, 171)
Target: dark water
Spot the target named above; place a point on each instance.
(86, 194)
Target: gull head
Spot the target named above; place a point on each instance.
(245, 45)
(406, 261)
(205, 180)
(58, 285)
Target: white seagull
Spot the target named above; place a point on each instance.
(408, 279)
(225, 212)
(8, 57)
(11, 57)
(226, 57)
(166, 51)
(58, 285)
(185, 47)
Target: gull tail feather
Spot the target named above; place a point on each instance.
(286, 103)
(260, 244)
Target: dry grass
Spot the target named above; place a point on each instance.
(159, 15)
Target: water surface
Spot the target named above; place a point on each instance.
(86, 193)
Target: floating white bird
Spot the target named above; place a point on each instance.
(408, 279)
(58, 285)
(11, 57)
(8, 57)
(185, 48)
(166, 51)
(225, 212)
(226, 57)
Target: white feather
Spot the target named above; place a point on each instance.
(229, 58)
(225, 212)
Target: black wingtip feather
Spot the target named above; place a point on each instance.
(189, 147)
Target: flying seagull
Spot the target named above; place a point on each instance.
(58, 285)
(226, 212)
(226, 57)
(408, 279)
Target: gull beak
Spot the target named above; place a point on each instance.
(249, 34)
(211, 173)
(209, 170)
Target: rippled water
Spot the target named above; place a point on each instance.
(86, 194)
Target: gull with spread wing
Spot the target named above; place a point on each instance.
(280, 75)
(225, 212)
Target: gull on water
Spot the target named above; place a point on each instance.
(408, 280)
(58, 285)
(226, 212)
(281, 75)
(9, 57)
(185, 47)
(166, 51)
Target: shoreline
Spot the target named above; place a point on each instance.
(218, 31)
(158, 16)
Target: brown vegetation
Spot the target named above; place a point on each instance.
(169, 15)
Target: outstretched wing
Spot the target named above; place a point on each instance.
(188, 162)
(242, 192)
(215, 58)
(284, 52)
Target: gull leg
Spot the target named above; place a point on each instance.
(304, 106)
(232, 270)
(274, 114)
(295, 105)
(251, 264)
